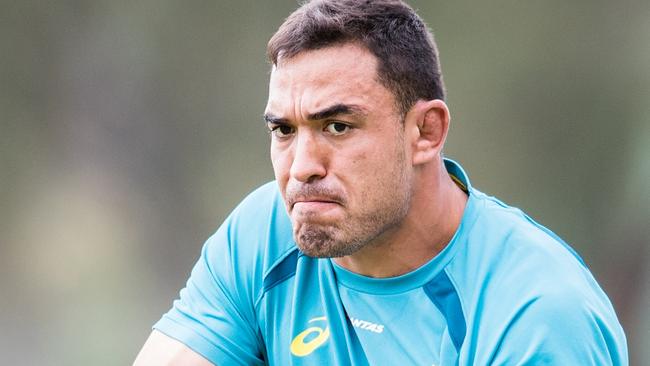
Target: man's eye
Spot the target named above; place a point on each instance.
(281, 130)
(337, 128)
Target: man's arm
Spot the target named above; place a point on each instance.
(160, 349)
(215, 314)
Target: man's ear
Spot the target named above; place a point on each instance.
(429, 125)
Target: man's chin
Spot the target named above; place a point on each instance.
(316, 241)
(319, 244)
(320, 252)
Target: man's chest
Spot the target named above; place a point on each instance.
(312, 319)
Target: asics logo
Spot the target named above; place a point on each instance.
(317, 336)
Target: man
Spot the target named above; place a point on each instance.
(370, 248)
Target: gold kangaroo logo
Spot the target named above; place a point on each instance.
(301, 348)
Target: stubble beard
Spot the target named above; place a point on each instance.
(321, 241)
(386, 212)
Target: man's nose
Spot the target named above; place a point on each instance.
(309, 159)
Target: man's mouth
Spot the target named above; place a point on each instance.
(309, 198)
(313, 203)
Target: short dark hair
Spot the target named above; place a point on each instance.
(390, 29)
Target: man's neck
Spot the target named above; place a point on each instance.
(434, 216)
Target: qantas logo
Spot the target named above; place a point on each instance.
(366, 325)
(317, 337)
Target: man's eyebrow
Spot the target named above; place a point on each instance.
(269, 118)
(335, 110)
(331, 111)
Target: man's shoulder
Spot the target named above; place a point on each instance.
(507, 254)
(260, 215)
(255, 235)
(516, 274)
(260, 202)
(511, 232)
(511, 259)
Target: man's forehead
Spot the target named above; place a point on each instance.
(318, 98)
(334, 62)
(343, 74)
(335, 49)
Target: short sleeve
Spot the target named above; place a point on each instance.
(214, 315)
(561, 329)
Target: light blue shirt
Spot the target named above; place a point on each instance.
(504, 291)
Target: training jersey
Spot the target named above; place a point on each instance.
(504, 291)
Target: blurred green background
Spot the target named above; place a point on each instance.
(129, 130)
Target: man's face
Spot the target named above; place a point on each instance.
(338, 150)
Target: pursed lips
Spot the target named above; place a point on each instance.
(314, 201)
